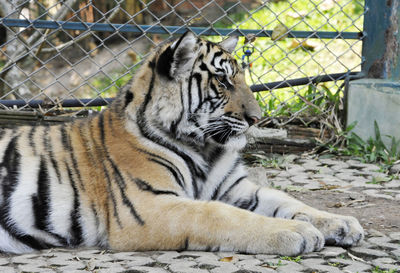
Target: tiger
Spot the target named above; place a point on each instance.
(159, 169)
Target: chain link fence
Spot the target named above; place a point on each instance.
(57, 55)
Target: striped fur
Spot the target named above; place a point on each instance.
(158, 170)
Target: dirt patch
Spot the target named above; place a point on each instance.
(373, 213)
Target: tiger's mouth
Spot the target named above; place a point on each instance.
(223, 133)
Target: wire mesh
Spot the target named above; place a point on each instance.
(50, 58)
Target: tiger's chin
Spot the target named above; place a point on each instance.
(236, 142)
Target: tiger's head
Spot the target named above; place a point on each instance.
(194, 91)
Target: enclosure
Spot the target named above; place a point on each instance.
(57, 55)
(62, 60)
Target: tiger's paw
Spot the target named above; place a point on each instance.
(338, 230)
(298, 238)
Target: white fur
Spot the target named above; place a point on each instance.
(90, 232)
(229, 44)
(62, 197)
(9, 244)
(219, 173)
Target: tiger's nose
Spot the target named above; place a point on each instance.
(251, 120)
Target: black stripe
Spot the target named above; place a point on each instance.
(64, 138)
(255, 204)
(215, 194)
(10, 162)
(217, 54)
(120, 180)
(204, 67)
(126, 201)
(128, 98)
(166, 162)
(111, 194)
(248, 204)
(76, 168)
(233, 122)
(208, 47)
(178, 177)
(215, 249)
(215, 155)
(132, 209)
(275, 211)
(101, 127)
(214, 88)
(31, 137)
(234, 184)
(198, 78)
(75, 228)
(41, 200)
(144, 186)
(185, 245)
(49, 148)
(243, 203)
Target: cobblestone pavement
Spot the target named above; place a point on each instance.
(378, 253)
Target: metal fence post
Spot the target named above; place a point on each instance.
(382, 37)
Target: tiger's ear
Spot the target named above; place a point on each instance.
(230, 43)
(178, 58)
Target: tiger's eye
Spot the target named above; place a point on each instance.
(223, 82)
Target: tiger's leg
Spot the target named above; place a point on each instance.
(337, 229)
(173, 223)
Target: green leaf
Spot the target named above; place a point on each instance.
(351, 126)
(357, 140)
(377, 131)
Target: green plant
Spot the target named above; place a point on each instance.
(334, 264)
(108, 86)
(296, 259)
(275, 60)
(273, 265)
(380, 180)
(377, 269)
(374, 149)
(273, 161)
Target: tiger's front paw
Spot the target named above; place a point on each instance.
(338, 230)
(297, 238)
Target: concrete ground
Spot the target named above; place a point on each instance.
(339, 185)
